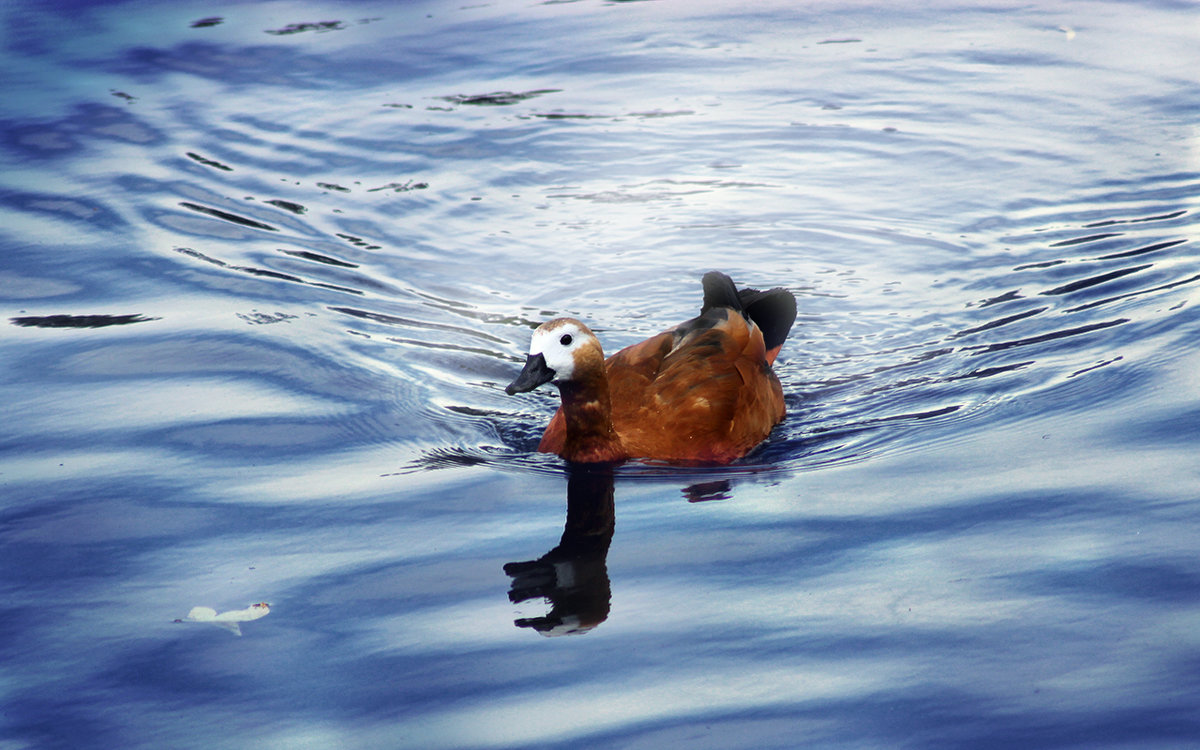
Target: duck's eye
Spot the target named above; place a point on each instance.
(565, 339)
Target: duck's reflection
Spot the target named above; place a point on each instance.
(703, 491)
(573, 576)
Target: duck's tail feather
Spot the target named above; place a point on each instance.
(719, 291)
(774, 311)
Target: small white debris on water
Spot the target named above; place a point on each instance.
(229, 620)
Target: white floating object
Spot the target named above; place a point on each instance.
(229, 620)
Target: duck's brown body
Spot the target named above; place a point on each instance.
(703, 391)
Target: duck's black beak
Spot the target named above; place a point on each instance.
(534, 374)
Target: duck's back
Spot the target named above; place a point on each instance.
(702, 391)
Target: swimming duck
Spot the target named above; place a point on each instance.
(701, 392)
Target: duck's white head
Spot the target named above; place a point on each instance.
(559, 351)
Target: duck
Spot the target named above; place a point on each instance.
(702, 392)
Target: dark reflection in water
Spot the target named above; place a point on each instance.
(573, 577)
(300, 28)
(78, 321)
(497, 98)
(208, 162)
(698, 492)
(253, 271)
(227, 216)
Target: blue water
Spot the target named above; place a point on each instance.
(266, 268)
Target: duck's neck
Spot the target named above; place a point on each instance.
(588, 414)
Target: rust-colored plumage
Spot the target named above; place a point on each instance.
(703, 391)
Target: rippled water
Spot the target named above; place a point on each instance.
(266, 268)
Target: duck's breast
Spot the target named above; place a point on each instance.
(631, 372)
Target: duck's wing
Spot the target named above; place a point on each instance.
(703, 391)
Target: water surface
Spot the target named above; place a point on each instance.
(267, 267)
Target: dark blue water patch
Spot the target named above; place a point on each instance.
(292, 366)
(383, 688)
(922, 715)
(13, 621)
(250, 439)
(38, 140)
(86, 532)
(87, 125)
(1181, 102)
(1154, 192)
(65, 208)
(154, 670)
(1165, 581)
(1180, 427)
(98, 279)
(46, 718)
(287, 67)
(197, 116)
(827, 545)
(1006, 59)
(359, 408)
(102, 122)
